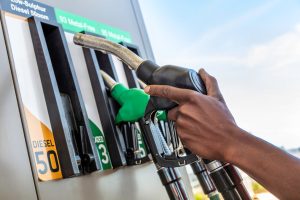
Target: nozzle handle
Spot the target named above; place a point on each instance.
(171, 75)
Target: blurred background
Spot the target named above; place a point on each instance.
(251, 47)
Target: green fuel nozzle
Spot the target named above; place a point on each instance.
(133, 101)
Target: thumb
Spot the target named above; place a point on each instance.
(211, 85)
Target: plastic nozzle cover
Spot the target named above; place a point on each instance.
(133, 103)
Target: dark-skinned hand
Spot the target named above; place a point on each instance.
(203, 122)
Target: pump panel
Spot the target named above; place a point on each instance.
(71, 153)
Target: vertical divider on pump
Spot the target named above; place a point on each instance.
(68, 117)
(114, 139)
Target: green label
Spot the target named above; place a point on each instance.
(74, 23)
(141, 142)
(101, 146)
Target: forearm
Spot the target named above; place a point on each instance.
(275, 169)
(207, 128)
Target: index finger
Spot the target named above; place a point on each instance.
(177, 95)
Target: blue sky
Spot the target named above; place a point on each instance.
(251, 47)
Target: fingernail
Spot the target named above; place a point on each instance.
(147, 89)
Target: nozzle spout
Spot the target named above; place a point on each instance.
(142, 84)
(101, 44)
(109, 81)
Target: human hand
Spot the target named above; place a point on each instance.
(204, 123)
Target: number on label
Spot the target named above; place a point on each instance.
(41, 162)
(143, 152)
(104, 154)
(54, 167)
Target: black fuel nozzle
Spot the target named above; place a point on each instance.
(179, 77)
(146, 70)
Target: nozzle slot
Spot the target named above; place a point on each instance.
(132, 81)
(115, 141)
(137, 151)
(66, 110)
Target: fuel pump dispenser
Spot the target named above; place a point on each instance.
(175, 76)
(58, 116)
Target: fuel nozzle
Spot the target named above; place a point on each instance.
(146, 70)
(132, 107)
(133, 101)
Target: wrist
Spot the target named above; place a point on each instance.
(235, 147)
